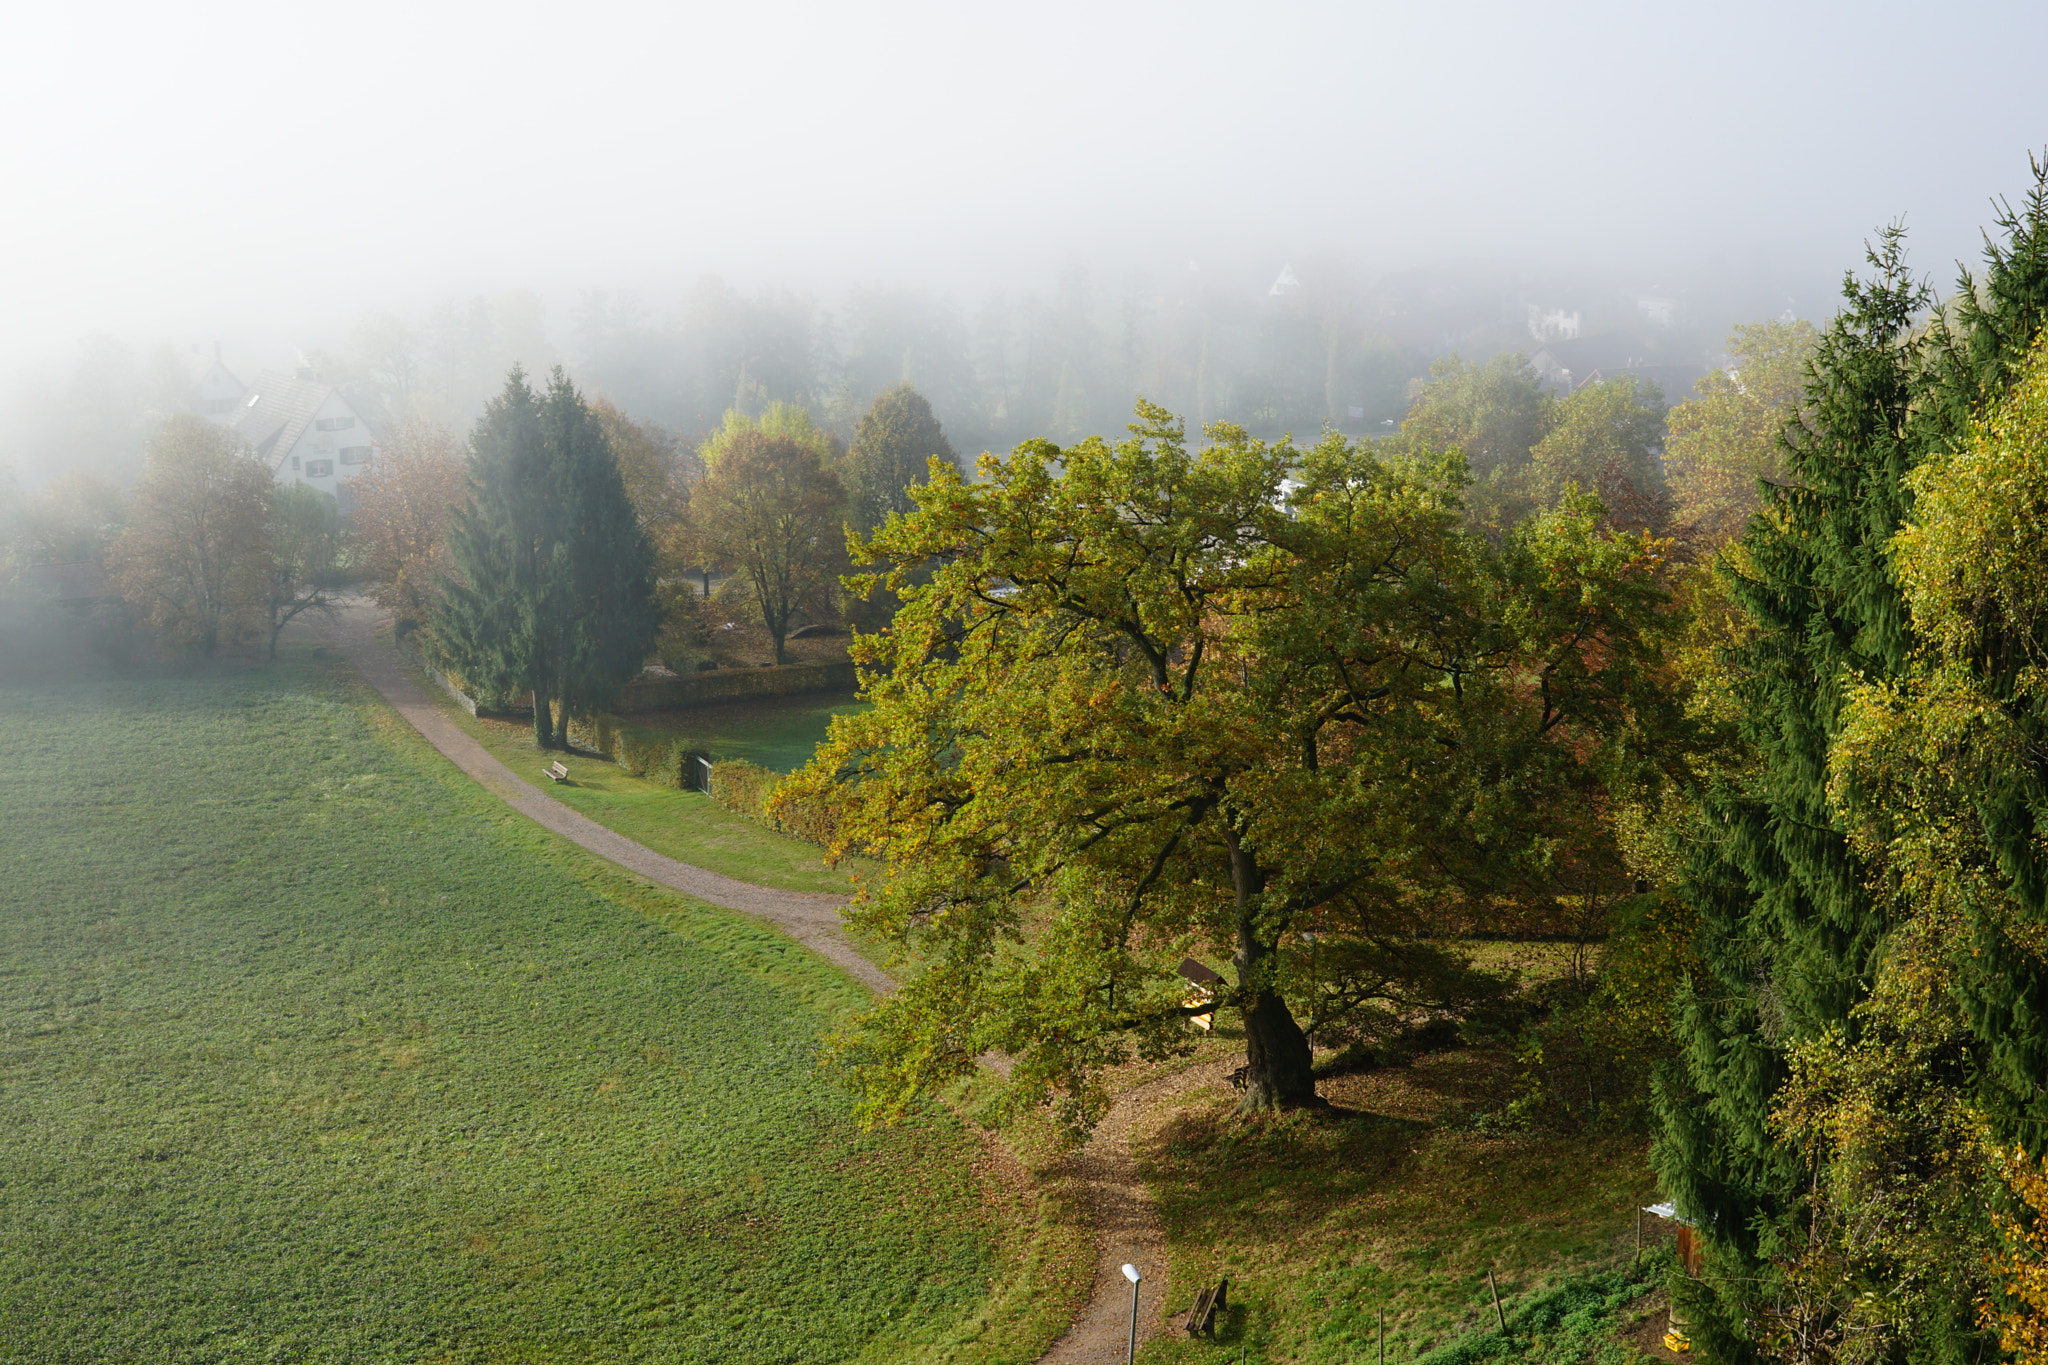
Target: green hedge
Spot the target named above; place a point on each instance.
(668, 759)
(739, 786)
(745, 788)
(734, 684)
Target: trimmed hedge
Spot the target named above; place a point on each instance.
(670, 760)
(745, 789)
(734, 684)
(741, 787)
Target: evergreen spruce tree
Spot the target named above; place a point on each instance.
(553, 589)
(895, 439)
(1791, 931)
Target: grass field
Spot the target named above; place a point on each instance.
(311, 1051)
(778, 733)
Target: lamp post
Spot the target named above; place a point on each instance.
(1131, 1274)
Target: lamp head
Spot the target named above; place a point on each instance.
(1131, 1274)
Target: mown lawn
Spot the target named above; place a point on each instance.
(777, 733)
(310, 1051)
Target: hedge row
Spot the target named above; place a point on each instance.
(670, 760)
(745, 788)
(734, 684)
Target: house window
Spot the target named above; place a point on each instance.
(334, 424)
(319, 469)
(355, 454)
(295, 464)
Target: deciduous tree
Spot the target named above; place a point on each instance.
(892, 447)
(305, 556)
(194, 559)
(403, 504)
(772, 511)
(1153, 700)
(1728, 439)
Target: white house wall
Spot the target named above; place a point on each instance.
(322, 459)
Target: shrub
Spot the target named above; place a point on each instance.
(750, 790)
(667, 759)
(743, 787)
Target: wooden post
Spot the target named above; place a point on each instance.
(1503, 1317)
(1639, 1238)
(1383, 1334)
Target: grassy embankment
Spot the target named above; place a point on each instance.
(1390, 1199)
(316, 1052)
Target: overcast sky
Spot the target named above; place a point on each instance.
(183, 170)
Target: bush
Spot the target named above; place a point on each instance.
(667, 759)
(743, 787)
(750, 790)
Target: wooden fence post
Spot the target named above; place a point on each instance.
(1503, 1317)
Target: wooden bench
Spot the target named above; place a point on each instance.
(1212, 1300)
(556, 771)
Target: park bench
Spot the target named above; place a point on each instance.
(1212, 1300)
(557, 771)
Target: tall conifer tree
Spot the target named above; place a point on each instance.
(1792, 933)
(554, 582)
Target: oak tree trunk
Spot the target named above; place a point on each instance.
(1279, 1070)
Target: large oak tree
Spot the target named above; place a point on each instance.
(1142, 700)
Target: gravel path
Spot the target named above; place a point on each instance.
(1126, 1224)
(810, 918)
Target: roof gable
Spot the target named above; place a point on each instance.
(277, 412)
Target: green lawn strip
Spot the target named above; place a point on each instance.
(1322, 1219)
(778, 733)
(313, 1051)
(686, 826)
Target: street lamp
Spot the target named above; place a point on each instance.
(1131, 1274)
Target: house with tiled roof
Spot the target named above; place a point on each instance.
(304, 430)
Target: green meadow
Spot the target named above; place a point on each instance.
(311, 1051)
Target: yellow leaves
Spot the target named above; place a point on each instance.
(1974, 561)
(2021, 1263)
